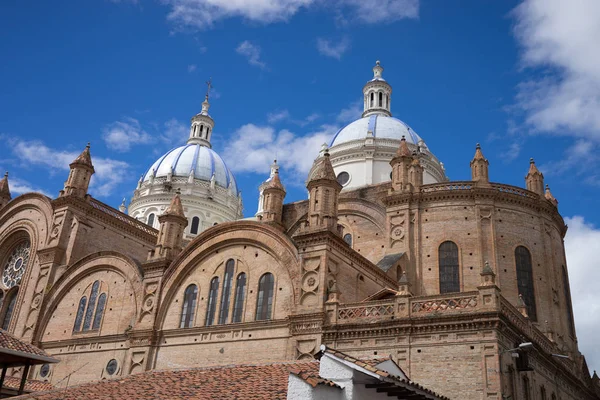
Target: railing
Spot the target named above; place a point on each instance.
(365, 311)
(122, 217)
(441, 304)
(438, 187)
(514, 190)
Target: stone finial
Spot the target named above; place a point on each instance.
(334, 292)
(522, 307)
(488, 277)
(404, 286)
(479, 168)
(548, 195)
(478, 153)
(322, 168)
(123, 207)
(534, 180)
(533, 170)
(274, 182)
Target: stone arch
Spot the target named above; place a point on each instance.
(104, 261)
(223, 236)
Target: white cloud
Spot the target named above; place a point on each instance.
(333, 50)
(121, 135)
(19, 186)
(192, 67)
(175, 132)
(252, 53)
(254, 147)
(278, 116)
(350, 113)
(559, 40)
(581, 244)
(109, 172)
(587, 172)
(203, 14)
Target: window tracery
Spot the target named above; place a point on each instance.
(189, 306)
(264, 302)
(525, 280)
(90, 312)
(15, 265)
(449, 268)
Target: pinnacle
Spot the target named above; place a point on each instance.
(478, 153)
(323, 168)
(403, 150)
(175, 208)
(4, 189)
(84, 158)
(532, 168)
(274, 182)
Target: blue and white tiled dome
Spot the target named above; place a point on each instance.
(203, 161)
(382, 126)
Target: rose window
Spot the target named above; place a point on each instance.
(15, 265)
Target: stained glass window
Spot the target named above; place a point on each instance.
(212, 301)
(99, 311)
(525, 280)
(15, 265)
(238, 302)
(189, 307)
(89, 313)
(264, 303)
(449, 268)
(567, 292)
(195, 224)
(80, 311)
(9, 310)
(226, 293)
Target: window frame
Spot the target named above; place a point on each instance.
(451, 267)
(264, 303)
(526, 289)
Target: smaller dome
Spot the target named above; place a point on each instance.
(383, 127)
(205, 163)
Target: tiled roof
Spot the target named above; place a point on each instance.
(251, 382)
(389, 261)
(313, 378)
(11, 344)
(30, 385)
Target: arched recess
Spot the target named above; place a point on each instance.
(108, 267)
(226, 238)
(27, 217)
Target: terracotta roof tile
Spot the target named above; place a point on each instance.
(252, 382)
(11, 342)
(31, 385)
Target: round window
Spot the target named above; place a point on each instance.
(111, 367)
(45, 370)
(343, 178)
(15, 265)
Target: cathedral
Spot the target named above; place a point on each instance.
(463, 284)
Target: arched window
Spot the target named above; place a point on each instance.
(9, 310)
(99, 311)
(226, 293)
(372, 99)
(567, 293)
(387, 101)
(238, 301)
(80, 311)
(525, 280)
(212, 301)
(195, 224)
(348, 239)
(189, 306)
(201, 130)
(543, 393)
(380, 99)
(449, 268)
(526, 389)
(264, 303)
(151, 219)
(89, 313)
(207, 131)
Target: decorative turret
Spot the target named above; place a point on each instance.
(534, 179)
(202, 123)
(4, 191)
(479, 168)
(79, 178)
(172, 223)
(123, 207)
(401, 164)
(273, 193)
(324, 190)
(377, 94)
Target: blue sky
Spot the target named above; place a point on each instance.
(520, 77)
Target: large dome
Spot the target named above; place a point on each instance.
(382, 127)
(202, 161)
